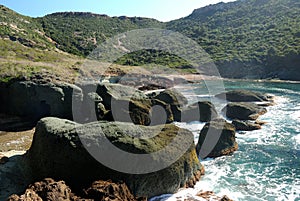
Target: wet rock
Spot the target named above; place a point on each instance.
(225, 198)
(245, 125)
(243, 111)
(217, 138)
(209, 195)
(243, 96)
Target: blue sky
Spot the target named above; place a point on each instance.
(163, 10)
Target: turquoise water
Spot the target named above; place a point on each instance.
(267, 164)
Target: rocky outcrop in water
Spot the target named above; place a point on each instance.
(58, 152)
(245, 125)
(243, 111)
(243, 96)
(217, 138)
(201, 111)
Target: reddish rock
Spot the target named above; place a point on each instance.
(209, 195)
(29, 195)
(50, 190)
(109, 191)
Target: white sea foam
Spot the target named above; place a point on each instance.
(296, 140)
(296, 115)
(263, 168)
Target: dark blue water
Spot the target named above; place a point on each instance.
(267, 164)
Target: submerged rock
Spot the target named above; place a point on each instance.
(245, 125)
(201, 111)
(243, 96)
(58, 152)
(217, 138)
(243, 111)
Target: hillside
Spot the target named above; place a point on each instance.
(79, 33)
(248, 38)
(27, 53)
(245, 39)
(25, 30)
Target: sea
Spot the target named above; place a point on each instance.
(267, 163)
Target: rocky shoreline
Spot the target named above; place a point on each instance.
(58, 153)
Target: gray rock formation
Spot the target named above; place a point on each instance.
(243, 96)
(58, 152)
(175, 99)
(245, 125)
(28, 99)
(217, 138)
(201, 111)
(243, 111)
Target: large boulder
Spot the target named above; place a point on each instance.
(217, 138)
(29, 99)
(243, 96)
(175, 99)
(245, 125)
(201, 111)
(113, 102)
(58, 152)
(243, 111)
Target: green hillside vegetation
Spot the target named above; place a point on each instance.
(245, 30)
(245, 39)
(80, 33)
(263, 33)
(20, 62)
(23, 29)
(26, 51)
(144, 57)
